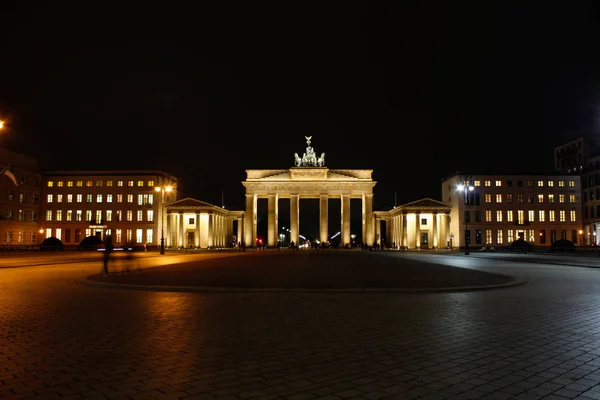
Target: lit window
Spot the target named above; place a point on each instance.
(500, 239)
(88, 183)
(140, 216)
(50, 183)
(151, 198)
(529, 183)
(48, 215)
(130, 198)
(69, 198)
(149, 235)
(59, 215)
(509, 235)
(139, 235)
(550, 183)
(573, 216)
(540, 183)
(58, 234)
(561, 183)
(498, 183)
(150, 183)
(509, 216)
(571, 183)
(520, 217)
(98, 183)
(49, 198)
(59, 198)
(130, 183)
(22, 198)
(48, 233)
(78, 214)
(129, 215)
(498, 215)
(88, 198)
(531, 216)
(542, 216)
(488, 183)
(488, 216)
(119, 235)
(540, 198)
(79, 198)
(59, 183)
(477, 183)
(519, 197)
(150, 216)
(488, 198)
(99, 216)
(69, 183)
(551, 216)
(509, 198)
(140, 183)
(99, 198)
(498, 198)
(571, 198)
(119, 198)
(488, 236)
(119, 183)
(88, 215)
(108, 215)
(79, 183)
(119, 215)
(108, 183)
(561, 198)
(562, 216)
(109, 198)
(69, 215)
(550, 198)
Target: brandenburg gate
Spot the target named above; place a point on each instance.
(308, 179)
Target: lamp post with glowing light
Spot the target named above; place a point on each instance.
(466, 189)
(162, 189)
(581, 237)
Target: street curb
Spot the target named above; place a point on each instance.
(209, 289)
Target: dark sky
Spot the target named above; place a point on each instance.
(413, 92)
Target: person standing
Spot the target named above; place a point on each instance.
(108, 247)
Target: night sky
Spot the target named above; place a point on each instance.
(414, 92)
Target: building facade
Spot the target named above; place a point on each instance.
(582, 157)
(124, 204)
(495, 210)
(20, 202)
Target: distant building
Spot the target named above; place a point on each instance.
(20, 203)
(124, 204)
(495, 210)
(582, 157)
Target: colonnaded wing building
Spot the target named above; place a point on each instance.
(145, 207)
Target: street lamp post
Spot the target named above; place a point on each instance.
(581, 238)
(162, 189)
(466, 189)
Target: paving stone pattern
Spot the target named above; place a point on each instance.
(63, 340)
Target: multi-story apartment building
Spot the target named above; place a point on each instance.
(497, 210)
(20, 203)
(126, 204)
(582, 157)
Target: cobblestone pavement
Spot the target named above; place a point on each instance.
(63, 340)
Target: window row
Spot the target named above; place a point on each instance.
(20, 237)
(531, 198)
(120, 236)
(19, 215)
(523, 216)
(99, 216)
(519, 183)
(100, 183)
(500, 236)
(22, 197)
(142, 199)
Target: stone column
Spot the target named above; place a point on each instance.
(388, 231)
(272, 218)
(294, 218)
(378, 231)
(434, 229)
(368, 231)
(345, 225)
(250, 221)
(324, 228)
(240, 229)
(211, 228)
(218, 231)
(197, 238)
(418, 230)
(180, 239)
(404, 230)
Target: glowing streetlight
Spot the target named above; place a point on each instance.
(466, 189)
(1, 124)
(581, 237)
(162, 189)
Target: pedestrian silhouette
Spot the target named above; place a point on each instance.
(108, 247)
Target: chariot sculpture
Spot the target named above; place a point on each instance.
(309, 158)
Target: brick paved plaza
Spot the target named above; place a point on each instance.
(61, 339)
